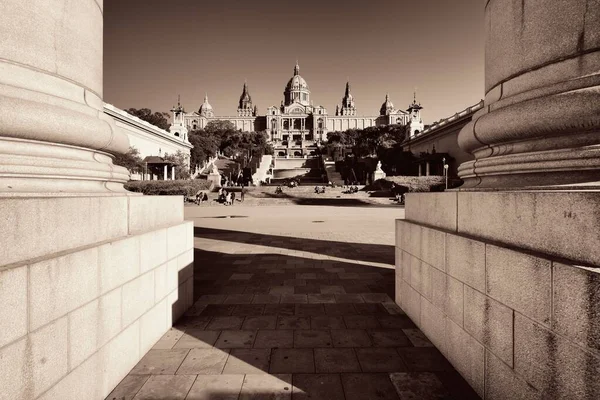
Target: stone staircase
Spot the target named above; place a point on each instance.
(262, 172)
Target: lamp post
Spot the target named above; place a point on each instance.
(445, 171)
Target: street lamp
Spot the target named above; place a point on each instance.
(445, 171)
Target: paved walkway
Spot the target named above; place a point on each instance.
(294, 302)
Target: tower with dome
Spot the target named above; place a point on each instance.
(296, 126)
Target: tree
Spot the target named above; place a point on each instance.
(130, 160)
(205, 146)
(181, 167)
(159, 119)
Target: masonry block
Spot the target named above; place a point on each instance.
(501, 382)
(153, 249)
(411, 303)
(466, 355)
(490, 322)
(398, 285)
(13, 298)
(520, 281)
(61, 285)
(172, 275)
(160, 283)
(454, 302)
(93, 325)
(433, 324)
(177, 240)
(465, 261)
(407, 261)
(576, 310)
(433, 247)
(138, 297)
(119, 356)
(71, 222)
(433, 209)
(147, 213)
(557, 368)
(153, 326)
(16, 357)
(46, 354)
(185, 265)
(119, 262)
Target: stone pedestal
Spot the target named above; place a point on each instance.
(91, 276)
(215, 178)
(503, 274)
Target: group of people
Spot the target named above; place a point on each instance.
(351, 189)
(319, 190)
(278, 190)
(226, 197)
(201, 197)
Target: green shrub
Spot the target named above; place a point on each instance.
(412, 183)
(168, 188)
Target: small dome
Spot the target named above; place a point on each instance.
(205, 106)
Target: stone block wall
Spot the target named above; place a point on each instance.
(515, 322)
(75, 320)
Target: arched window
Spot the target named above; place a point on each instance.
(286, 124)
(273, 124)
(320, 123)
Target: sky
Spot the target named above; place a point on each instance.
(155, 50)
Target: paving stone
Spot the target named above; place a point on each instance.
(312, 338)
(368, 387)
(326, 322)
(310, 288)
(424, 359)
(248, 361)
(185, 323)
(419, 385)
(218, 310)
(239, 299)
(309, 310)
(361, 322)
(266, 299)
(332, 290)
(279, 309)
(222, 323)
(350, 338)
(263, 387)
(349, 298)
(204, 362)
(294, 282)
(340, 309)
(336, 360)
(128, 387)
(294, 298)
(317, 387)
(395, 322)
(321, 298)
(211, 299)
(168, 340)
(417, 338)
(393, 309)
(245, 310)
(261, 322)
(159, 387)
(371, 309)
(389, 338)
(306, 275)
(195, 338)
(292, 361)
(163, 362)
(376, 298)
(235, 339)
(274, 339)
(281, 290)
(380, 360)
(293, 322)
(216, 387)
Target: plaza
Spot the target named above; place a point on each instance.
(296, 310)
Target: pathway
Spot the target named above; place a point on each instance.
(294, 302)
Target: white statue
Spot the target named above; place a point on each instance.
(214, 169)
(378, 168)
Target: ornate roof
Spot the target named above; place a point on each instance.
(205, 106)
(387, 105)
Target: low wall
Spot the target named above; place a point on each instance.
(496, 283)
(88, 286)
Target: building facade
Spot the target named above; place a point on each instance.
(296, 126)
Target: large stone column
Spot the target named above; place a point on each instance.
(541, 121)
(54, 136)
(502, 276)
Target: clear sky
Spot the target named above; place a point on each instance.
(157, 49)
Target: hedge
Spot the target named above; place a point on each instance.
(168, 188)
(411, 183)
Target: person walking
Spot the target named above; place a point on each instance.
(242, 194)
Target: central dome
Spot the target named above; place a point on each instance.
(296, 90)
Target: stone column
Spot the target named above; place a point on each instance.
(165, 173)
(173, 173)
(427, 171)
(540, 124)
(54, 136)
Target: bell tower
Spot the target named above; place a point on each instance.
(415, 124)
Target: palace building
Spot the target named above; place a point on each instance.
(297, 126)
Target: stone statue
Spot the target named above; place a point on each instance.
(378, 168)
(214, 169)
